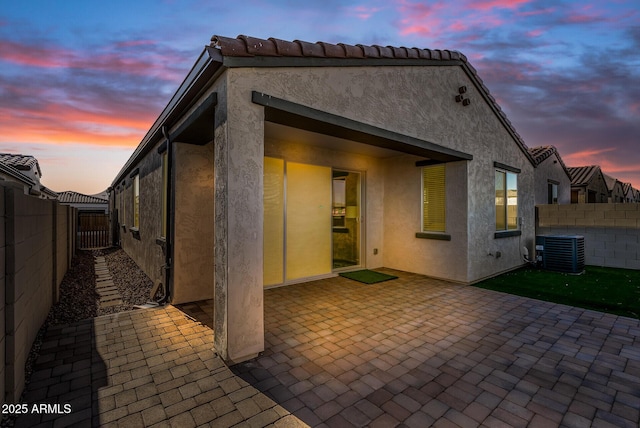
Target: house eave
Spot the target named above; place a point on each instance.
(195, 83)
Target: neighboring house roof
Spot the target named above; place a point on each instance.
(542, 153)
(12, 172)
(582, 175)
(70, 197)
(20, 162)
(245, 51)
(627, 189)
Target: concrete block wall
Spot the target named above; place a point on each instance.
(611, 231)
(34, 254)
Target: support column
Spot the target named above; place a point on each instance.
(238, 297)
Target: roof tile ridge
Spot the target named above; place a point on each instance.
(286, 47)
(310, 49)
(229, 46)
(384, 51)
(332, 51)
(369, 51)
(259, 47)
(352, 51)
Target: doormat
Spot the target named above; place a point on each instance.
(368, 276)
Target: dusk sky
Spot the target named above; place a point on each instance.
(81, 82)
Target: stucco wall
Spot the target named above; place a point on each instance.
(144, 251)
(611, 231)
(551, 169)
(194, 223)
(402, 220)
(239, 157)
(368, 95)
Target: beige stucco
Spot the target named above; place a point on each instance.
(193, 223)
(414, 101)
(365, 94)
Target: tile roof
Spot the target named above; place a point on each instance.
(70, 197)
(20, 162)
(251, 46)
(13, 172)
(541, 153)
(247, 46)
(341, 54)
(581, 175)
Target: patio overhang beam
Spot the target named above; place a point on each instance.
(299, 116)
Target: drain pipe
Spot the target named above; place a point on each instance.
(168, 220)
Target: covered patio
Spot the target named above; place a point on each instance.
(418, 351)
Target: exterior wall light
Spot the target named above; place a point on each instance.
(462, 89)
(466, 102)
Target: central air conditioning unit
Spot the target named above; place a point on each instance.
(562, 253)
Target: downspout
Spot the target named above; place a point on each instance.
(168, 220)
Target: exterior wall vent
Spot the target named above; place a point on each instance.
(562, 253)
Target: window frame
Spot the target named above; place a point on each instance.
(507, 171)
(136, 201)
(552, 192)
(439, 224)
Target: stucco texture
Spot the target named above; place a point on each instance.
(426, 110)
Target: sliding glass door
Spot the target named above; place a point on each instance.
(346, 220)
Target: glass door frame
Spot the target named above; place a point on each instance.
(360, 220)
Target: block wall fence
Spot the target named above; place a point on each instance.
(37, 243)
(611, 231)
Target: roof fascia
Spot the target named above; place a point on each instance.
(297, 115)
(284, 61)
(205, 68)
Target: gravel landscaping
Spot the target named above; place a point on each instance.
(133, 284)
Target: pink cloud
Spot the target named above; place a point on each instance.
(119, 61)
(420, 19)
(535, 33)
(363, 12)
(438, 19)
(34, 56)
(547, 11)
(584, 15)
(51, 123)
(496, 4)
(589, 157)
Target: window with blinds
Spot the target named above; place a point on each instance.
(433, 198)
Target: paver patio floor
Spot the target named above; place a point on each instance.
(151, 367)
(412, 352)
(419, 352)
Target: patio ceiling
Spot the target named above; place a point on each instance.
(295, 115)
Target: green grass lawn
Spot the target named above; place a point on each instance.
(616, 291)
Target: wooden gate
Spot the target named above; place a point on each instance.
(93, 230)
